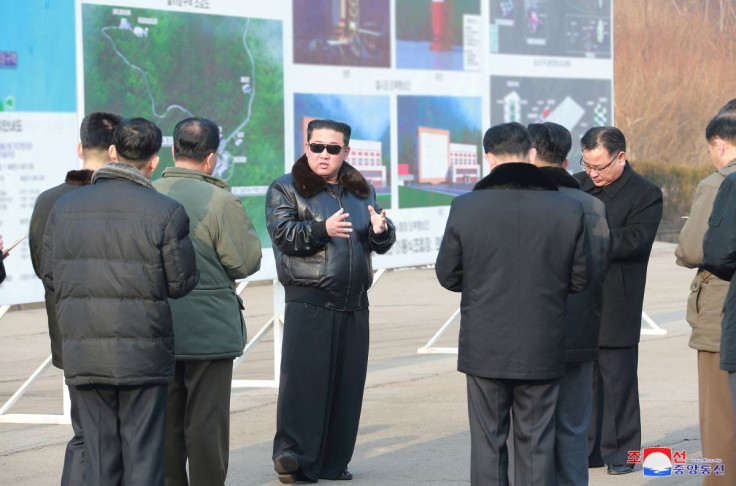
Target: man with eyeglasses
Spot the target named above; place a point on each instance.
(633, 210)
(324, 223)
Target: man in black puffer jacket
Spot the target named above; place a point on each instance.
(114, 252)
(324, 222)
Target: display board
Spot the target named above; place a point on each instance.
(419, 81)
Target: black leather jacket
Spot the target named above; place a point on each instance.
(334, 273)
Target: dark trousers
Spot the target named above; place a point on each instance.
(198, 423)
(73, 472)
(123, 434)
(572, 416)
(490, 403)
(615, 424)
(323, 369)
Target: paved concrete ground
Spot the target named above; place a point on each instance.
(414, 428)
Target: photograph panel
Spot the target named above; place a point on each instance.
(440, 148)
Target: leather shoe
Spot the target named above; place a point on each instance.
(345, 476)
(286, 464)
(616, 469)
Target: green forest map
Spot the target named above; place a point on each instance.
(167, 66)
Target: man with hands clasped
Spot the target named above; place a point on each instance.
(324, 222)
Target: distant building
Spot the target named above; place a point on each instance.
(464, 167)
(366, 156)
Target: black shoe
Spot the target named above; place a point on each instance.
(345, 476)
(616, 469)
(287, 464)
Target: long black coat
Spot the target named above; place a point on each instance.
(719, 257)
(515, 247)
(633, 210)
(583, 310)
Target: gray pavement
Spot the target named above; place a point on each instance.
(414, 427)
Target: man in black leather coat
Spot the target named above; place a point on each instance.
(324, 223)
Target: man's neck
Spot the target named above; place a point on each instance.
(544, 163)
(94, 163)
(191, 165)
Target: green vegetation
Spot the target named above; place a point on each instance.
(228, 69)
(411, 197)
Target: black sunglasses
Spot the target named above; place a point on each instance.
(318, 148)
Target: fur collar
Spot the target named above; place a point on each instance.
(121, 170)
(516, 175)
(560, 176)
(308, 183)
(79, 177)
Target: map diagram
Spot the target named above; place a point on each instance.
(572, 28)
(576, 104)
(167, 66)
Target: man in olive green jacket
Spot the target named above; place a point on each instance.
(707, 294)
(209, 331)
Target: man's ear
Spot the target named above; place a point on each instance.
(173, 155)
(80, 151)
(210, 163)
(154, 162)
(532, 155)
(112, 153)
(150, 166)
(565, 163)
(491, 159)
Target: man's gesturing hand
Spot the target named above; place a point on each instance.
(378, 221)
(336, 225)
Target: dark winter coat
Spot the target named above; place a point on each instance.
(633, 210)
(719, 257)
(75, 179)
(334, 273)
(515, 247)
(583, 310)
(115, 252)
(208, 323)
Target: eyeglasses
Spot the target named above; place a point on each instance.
(318, 148)
(588, 168)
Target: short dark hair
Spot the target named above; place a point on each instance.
(722, 126)
(507, 138)
(729, 107)
(136, 140)
(610, 138)
(337, 126)
(196, 138)
(552, 141)
(97, 128)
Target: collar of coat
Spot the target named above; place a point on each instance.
(194, 174)
(611, 189)
(560, 176)
(308, 183)
(79, 177)
(516, 175)
(121, 170)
